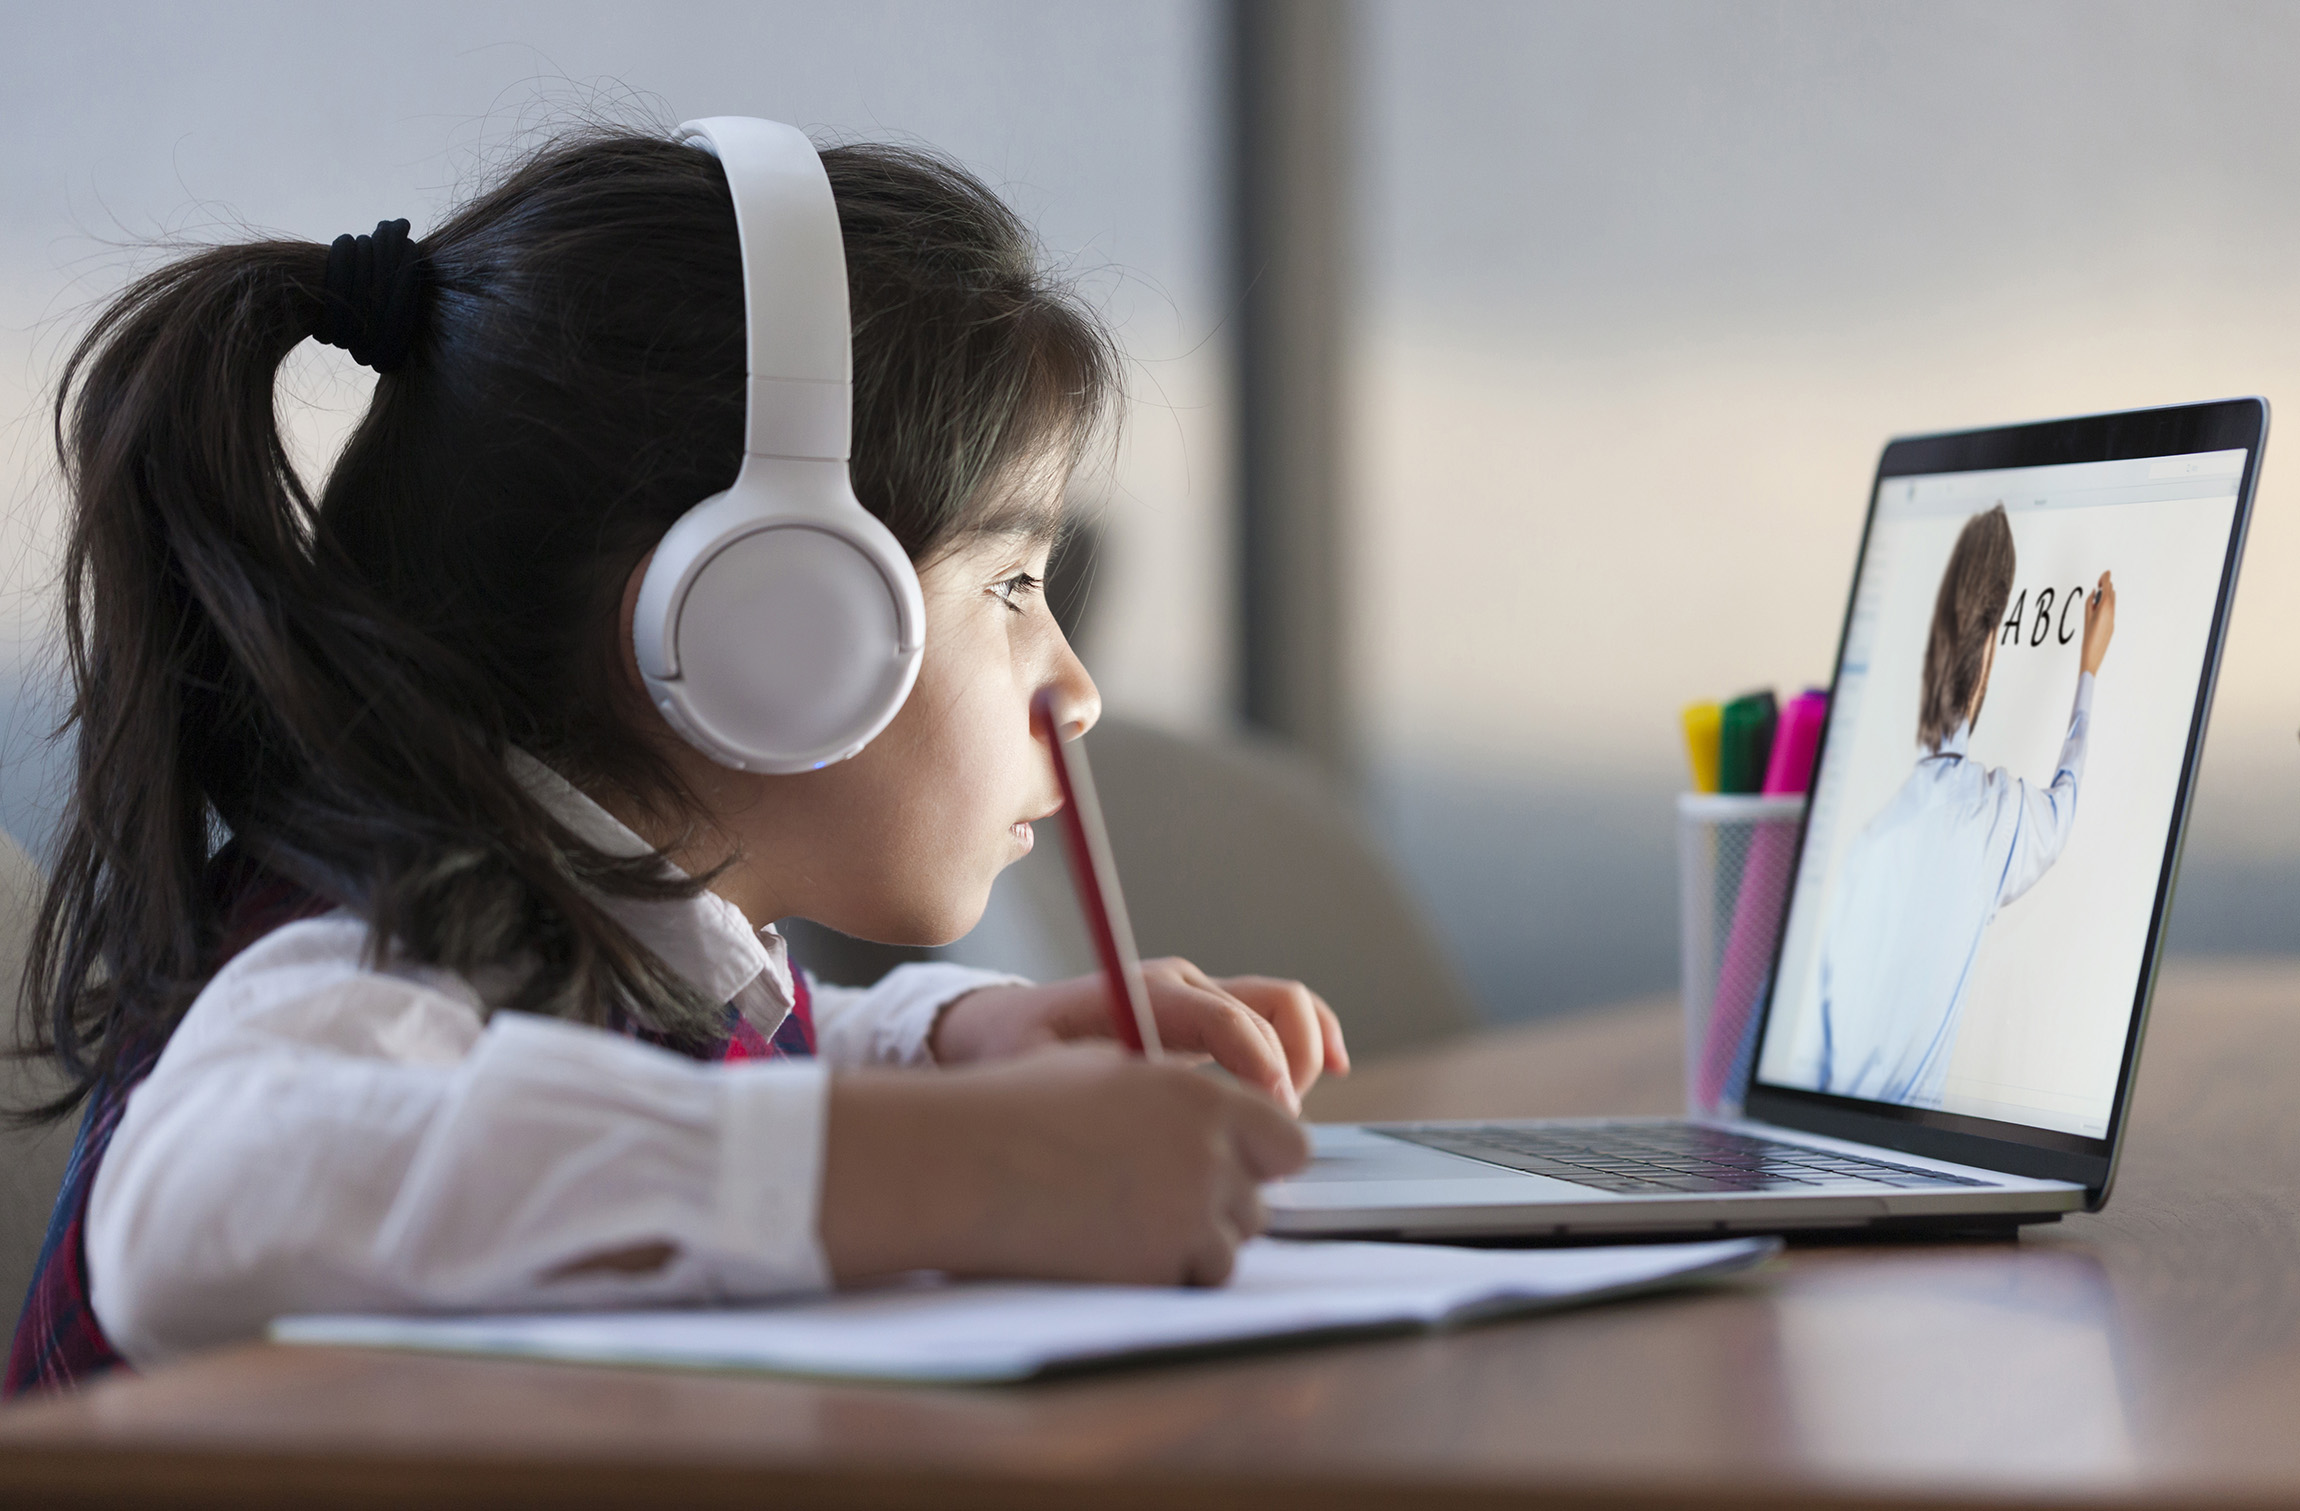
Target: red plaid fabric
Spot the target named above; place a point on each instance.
(58, 1341)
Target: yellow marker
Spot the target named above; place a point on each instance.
(1704, 724)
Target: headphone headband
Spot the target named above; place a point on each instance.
(800, 358)
(779, 624)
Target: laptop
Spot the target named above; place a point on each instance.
(1951, 1025)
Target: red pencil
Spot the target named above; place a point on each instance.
(1095, 876)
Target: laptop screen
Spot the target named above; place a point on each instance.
(1999, 787)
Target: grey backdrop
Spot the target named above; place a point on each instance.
(1591, 193)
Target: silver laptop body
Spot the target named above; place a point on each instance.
(1876, 1097)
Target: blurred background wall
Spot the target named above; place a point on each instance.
(120, 123)
(1646, 289)
(1635, 293)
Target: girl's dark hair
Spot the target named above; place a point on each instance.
(1975, 587)
(333, 687)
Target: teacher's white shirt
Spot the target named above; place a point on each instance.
(1920, 884)
(322, 1134)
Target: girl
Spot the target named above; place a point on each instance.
(404, 957)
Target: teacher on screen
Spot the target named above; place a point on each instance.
(1957, 843)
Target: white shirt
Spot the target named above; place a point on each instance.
(323, 1135)
(1921, 882)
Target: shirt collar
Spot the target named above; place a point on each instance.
(1956, 744)
(704, 938)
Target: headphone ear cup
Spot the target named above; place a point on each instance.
(778, 641)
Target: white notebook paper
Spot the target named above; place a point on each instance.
(985, 1331)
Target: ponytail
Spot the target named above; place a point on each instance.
(230, 680)
(187, 550)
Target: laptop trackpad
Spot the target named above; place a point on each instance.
(1343, 1151)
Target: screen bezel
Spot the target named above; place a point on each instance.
(2016, 1148)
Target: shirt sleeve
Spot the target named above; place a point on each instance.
(890, 1023)
(323, 1137)
(2048, 813)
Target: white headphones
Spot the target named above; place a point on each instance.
(780, 623)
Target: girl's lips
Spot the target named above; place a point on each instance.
(1022, 832)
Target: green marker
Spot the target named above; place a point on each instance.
(1745, 742)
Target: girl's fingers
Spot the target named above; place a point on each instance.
(1337, 1052)
(1210, 1262)
(1308, 1028)
(1272, 1033)
(1241, 1043)
(1271, 1143)
(1247, 1215)
(1194, 1017)
(1292, 1009)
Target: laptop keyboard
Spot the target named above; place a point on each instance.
(1657, 1159)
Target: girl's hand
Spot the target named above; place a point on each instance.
(1272, 1034)
(1080, 1164)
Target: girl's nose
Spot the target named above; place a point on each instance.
(1071, 697)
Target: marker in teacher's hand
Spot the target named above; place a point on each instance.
(1095, 876)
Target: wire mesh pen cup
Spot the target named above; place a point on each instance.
(1735, 855)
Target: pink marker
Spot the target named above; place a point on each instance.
(1795, 741)
(1758, 906)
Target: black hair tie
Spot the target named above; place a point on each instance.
(372, 304)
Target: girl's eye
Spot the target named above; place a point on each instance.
(1014, 590)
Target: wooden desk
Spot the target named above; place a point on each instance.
(2150, 1355)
